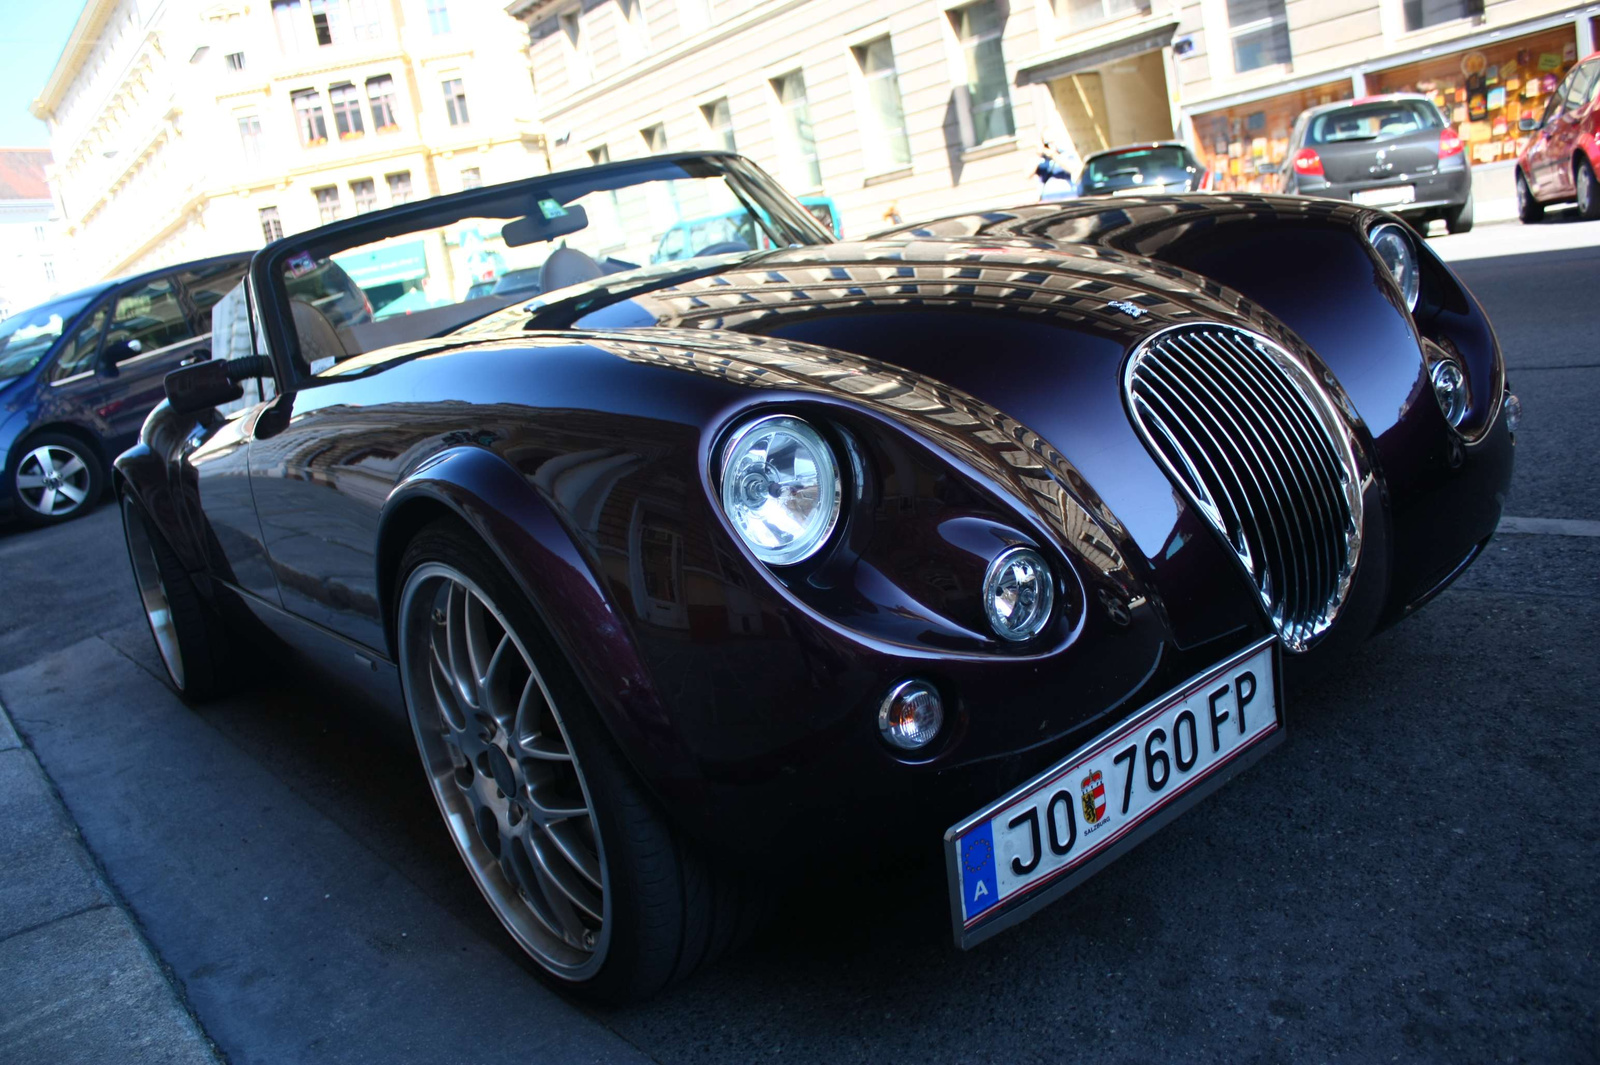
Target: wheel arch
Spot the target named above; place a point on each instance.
(85, 436)
(481, 490)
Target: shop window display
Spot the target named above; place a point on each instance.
(1244, 146)
(1484, 91)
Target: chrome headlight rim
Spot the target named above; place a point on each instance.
(1447, 375)
(1410, 286)
(800, 550)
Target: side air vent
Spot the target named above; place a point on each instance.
(1258, 446)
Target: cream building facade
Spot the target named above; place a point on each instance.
(913, 108)
(32, 267)
(187, 128)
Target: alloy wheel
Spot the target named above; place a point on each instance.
(1585, 191)
(153, 592)
(53, 481)
(503, 771)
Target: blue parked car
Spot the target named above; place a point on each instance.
(78, 375)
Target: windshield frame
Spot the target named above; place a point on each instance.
(793, 225)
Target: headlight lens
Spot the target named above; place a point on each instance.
(1450, 386)
(1018, 592)
(780, 488)
(1394, 247)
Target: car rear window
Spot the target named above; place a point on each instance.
(1126, 164)
(1374, 122)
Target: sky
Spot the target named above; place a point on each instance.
(31, 40)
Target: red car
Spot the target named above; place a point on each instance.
(1560, 163)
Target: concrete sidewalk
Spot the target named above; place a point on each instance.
(77, 981)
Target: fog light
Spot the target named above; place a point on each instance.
(1513, 412)
(1018, 593)
(911, 715)
(1450, 386)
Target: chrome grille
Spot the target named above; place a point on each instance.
(1258, 446)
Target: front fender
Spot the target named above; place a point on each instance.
(560, 581)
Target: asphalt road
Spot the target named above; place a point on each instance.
(1413, 876)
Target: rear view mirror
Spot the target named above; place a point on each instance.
(1528, 125)
(117, 351)
(552, 220)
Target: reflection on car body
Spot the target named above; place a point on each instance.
(997, 533)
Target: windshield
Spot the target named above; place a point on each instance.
(27, 336)
(393, 281)
(1374, 122)
(1144, 162)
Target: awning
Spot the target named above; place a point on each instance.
(386, 265)
(1058, 65)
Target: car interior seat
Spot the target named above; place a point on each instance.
(320, 346)
(567, 266)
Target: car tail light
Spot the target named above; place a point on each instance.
(1308, 162)
(1449, 143)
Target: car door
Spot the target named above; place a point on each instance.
(1542, 154)
(1568, 127)
(150, 334)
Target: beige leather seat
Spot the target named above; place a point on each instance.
(320, 346)
(567, 266)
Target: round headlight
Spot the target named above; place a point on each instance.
(780, 488)
(1400, 258)
(1450, 386)
(1018, 592)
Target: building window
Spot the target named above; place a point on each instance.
(791, 91)
(324, 16)
(250, 137)
(399, 186)
(719, 120)
(271, 227)
(471, 178)
(455, 102)
(366, 22)
(600, 155)
(578, 66)
(635, 35)
(235, 60)
(365, 193)
(1260, 32)
(50, 271)
(380, 97)
(888, 145)
(655, 138)
(328, 203)
(439, 16)
(988, 95)
(1423, 13)
(308, 114)
(1081, 13)
(346, 104)
(38, 234)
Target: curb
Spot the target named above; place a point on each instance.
(78, 979)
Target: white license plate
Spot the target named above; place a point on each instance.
(1035, 844)
(1384, 197)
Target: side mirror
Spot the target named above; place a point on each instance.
(1528, 125)
(191, 389)
(117, 351)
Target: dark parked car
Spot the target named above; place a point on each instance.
(1396, 152)
(1560, 162)
(1142, 169)
(78, 375)
(998, 534)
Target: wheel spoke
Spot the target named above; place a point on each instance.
(456, 644)
(47, 501)
(559, 873)
(73, 492)
(546, 811)
(72, 467)
(476, 624)
(444, 694)
(496, 684)
(30, 480)
(575, 849)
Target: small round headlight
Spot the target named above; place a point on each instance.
(911, 715)
(1393, 246)
(1450, 386)
(780, 488)
(1018, 592)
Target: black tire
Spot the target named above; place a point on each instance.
(190, 640)
(1588, 193)
(665, 909)
(1529, 209)
(1460, 219)
(49, 470)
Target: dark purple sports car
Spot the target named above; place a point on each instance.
(1000, 534)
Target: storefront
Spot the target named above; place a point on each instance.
(1483, 91)
(1235, 143)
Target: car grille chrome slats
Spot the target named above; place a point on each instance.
(1258, 446)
